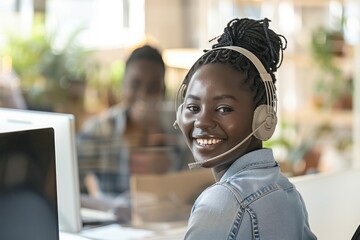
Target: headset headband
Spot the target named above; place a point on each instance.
(264, 75)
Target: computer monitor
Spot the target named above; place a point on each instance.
(28, 196)
(68, 193)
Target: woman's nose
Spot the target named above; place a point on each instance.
(205, 120)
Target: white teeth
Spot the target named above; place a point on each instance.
(204, 142)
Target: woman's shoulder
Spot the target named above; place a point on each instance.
(214, 214)
(217, 193)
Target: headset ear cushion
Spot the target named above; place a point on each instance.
(261, 115)
(178, 121)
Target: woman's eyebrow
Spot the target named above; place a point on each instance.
(193, 97)
(220, 97)
(225, 97)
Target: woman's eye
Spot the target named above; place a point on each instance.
(224, 109)
(192, 108)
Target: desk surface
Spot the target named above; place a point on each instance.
(117, 232)
(174, 231)
(68, 236)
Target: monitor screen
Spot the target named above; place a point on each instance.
(28, 197)
(68, 194)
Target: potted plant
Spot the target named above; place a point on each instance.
(333, 88)
(50, 78)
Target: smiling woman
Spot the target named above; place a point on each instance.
(227, 108)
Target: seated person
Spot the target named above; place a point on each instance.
(226, 110)
(135, 136)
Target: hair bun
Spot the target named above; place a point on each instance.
(255, 36)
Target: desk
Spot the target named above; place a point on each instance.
(118, 232)
(68, 236)
(161, 205)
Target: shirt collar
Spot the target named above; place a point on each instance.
(259, 158)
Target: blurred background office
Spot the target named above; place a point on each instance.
(69, 56)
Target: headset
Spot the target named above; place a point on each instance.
(264, 119)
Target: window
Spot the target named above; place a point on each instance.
(103, 23)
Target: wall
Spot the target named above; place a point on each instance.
(164, 21)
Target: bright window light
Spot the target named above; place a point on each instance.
(104, 23)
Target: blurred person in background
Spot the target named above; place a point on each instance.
(135, 136)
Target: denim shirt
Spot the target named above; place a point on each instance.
(253, 200)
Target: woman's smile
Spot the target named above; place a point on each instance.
(208, 141)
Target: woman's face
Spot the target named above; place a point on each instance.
(217, 115)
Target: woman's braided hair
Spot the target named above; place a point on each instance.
(253, 35)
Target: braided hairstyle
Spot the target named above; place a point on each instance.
(253, 35)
